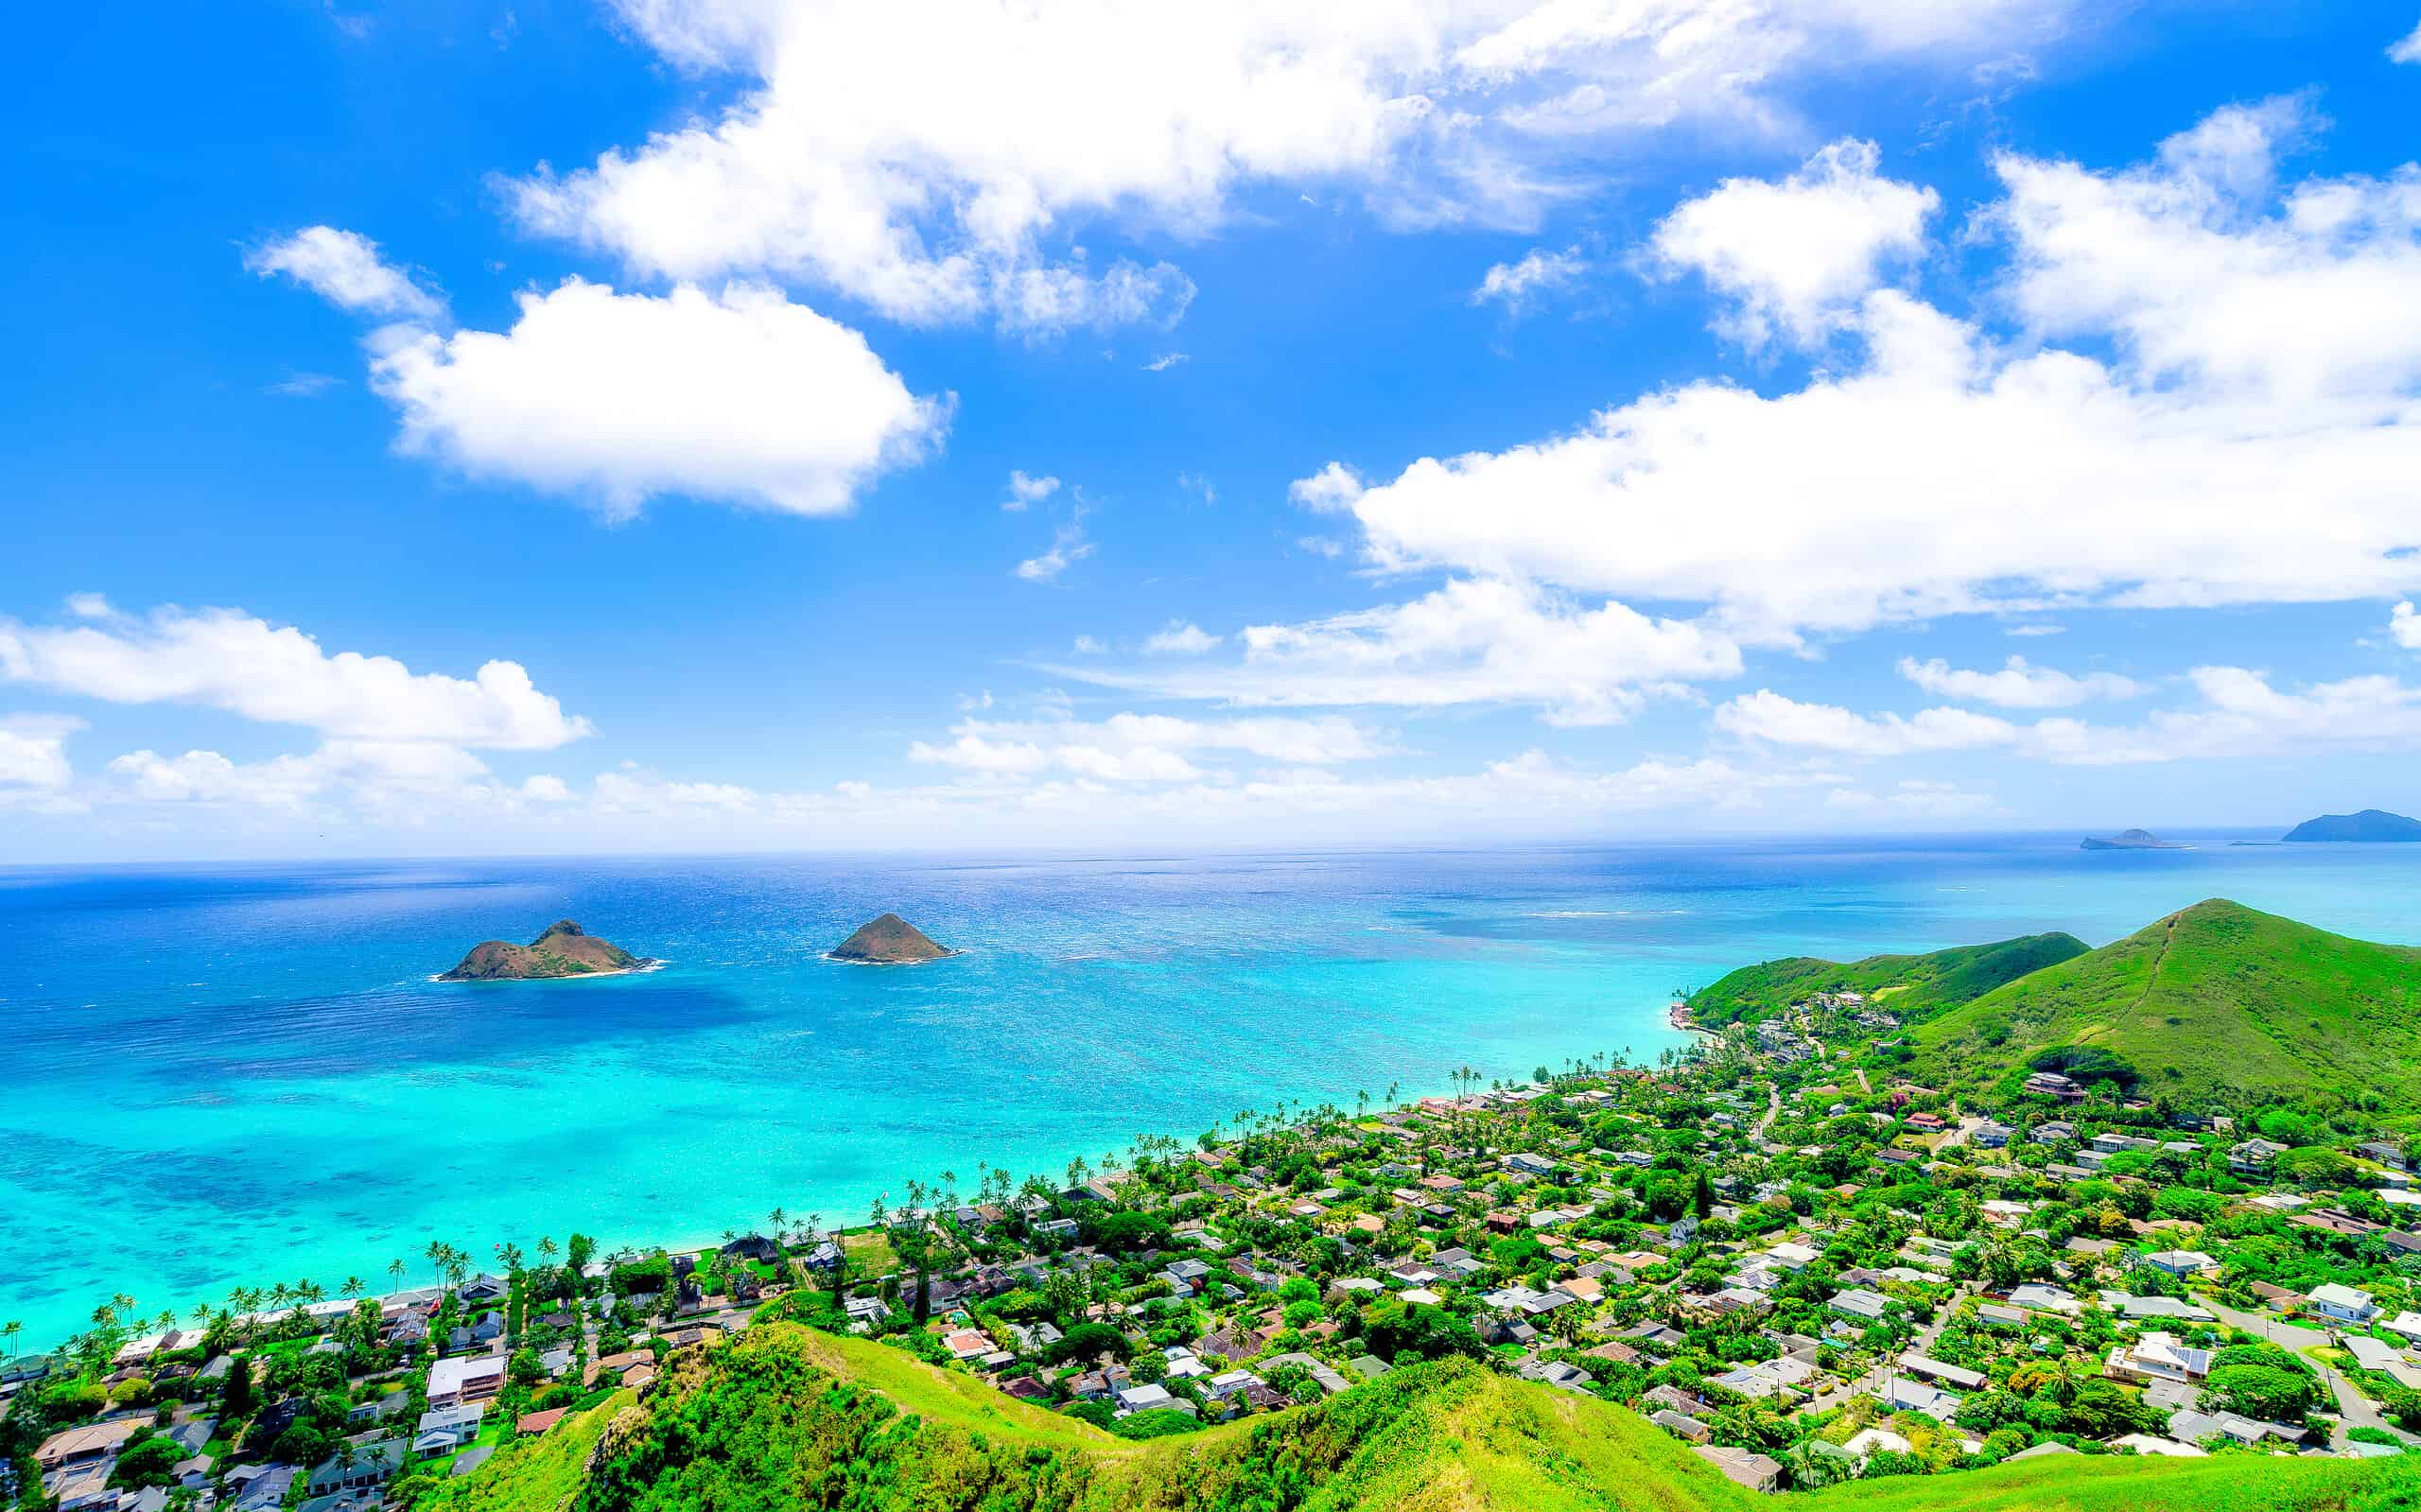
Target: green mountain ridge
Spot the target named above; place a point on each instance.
(2370, 826)
(2215, 1004)
(1916, 983)
(784, 1416)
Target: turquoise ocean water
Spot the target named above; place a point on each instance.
(243, 1073)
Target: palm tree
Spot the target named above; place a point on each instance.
(395, 1270)
(354, 1286)
(8, 1332)
(546, 1248)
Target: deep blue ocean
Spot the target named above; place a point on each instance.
(231, 1074)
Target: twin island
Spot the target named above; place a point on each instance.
(565, 949)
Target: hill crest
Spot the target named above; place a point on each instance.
(2214, 1004)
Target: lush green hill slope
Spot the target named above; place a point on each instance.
(2218, 1003)
(1919, 983)
(784, 1417)
(2117, 1482)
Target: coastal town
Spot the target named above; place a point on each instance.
(1784, 1254)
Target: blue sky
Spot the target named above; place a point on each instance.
(470, 427)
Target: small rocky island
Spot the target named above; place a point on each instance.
(890, 941)
(565, 950)
(2370, 824)
(2131, 839)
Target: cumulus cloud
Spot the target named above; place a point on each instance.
(1025, 492)
(1516, 284)
(2267, 355)
(33, 749)
(1767, 716)
(1798, 255)
(933, 160)
(2405, 626)
(1333, 487)
(226, 659)
(2018, 685)
(1468, 642)
(1180, 638)
(344, 269)
(741, 397)
(2408, 50)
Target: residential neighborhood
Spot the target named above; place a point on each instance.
(1804, 1272)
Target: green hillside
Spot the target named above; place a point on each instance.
(2218, 1003)
(1914, 985)
(2120, 1482)
(786, 1417)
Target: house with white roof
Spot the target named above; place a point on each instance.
(2346, 1304)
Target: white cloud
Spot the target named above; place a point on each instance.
(301, 386)
(224, 659)
(2408, 50)
(1797, 257)
(1767, 716)
(1333, 487)
(33, 749)
(1165, 361)
(2207, 275)
(741, 397)
(1468, 642)
(1089, 646)
(344, 268)
(2266, 386)
(1025, 491)
(1068, 545)
(1914, 799)
(90, 606)
(2019, 685)
(931, 159)
(404, 782)
(1181, 638)
(2405, 626)
(1515, 284)
(1144, 747)
(2240, 714)
(2031, 631)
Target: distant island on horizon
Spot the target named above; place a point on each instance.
(2131, 839)
(2369, 827)
(563, 950)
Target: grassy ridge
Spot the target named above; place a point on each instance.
(2071, 1483)
(2217, 1001)
(784, 1417)
(1926, 983)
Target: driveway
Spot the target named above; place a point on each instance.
(2353, 1410)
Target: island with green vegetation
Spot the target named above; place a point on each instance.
(2372, 825)
(2126, 1229)
(2130, 839)
(564, 949)
(889, 940)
